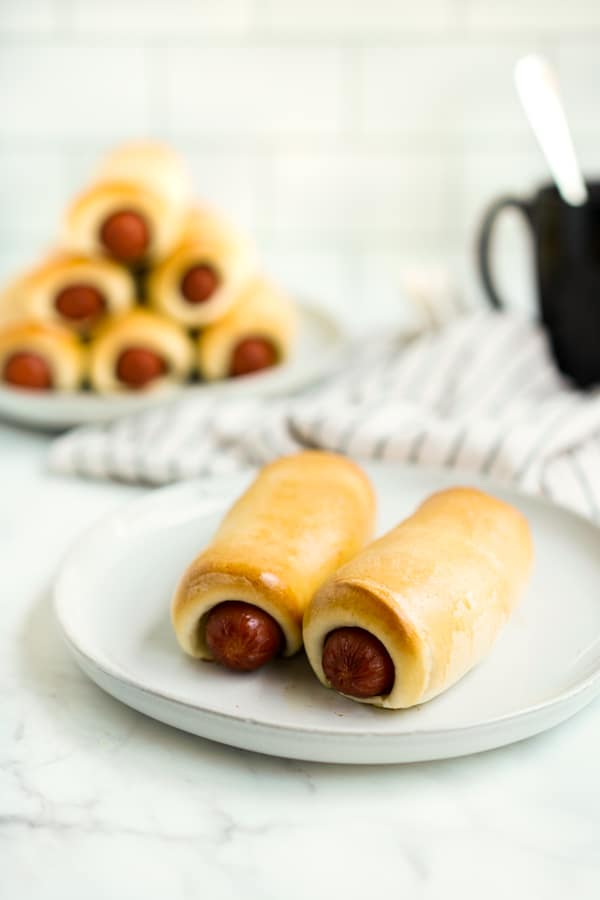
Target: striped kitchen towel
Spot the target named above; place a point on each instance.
(480, 394)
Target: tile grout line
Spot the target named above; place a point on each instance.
(65, 35)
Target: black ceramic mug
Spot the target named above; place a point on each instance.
(567, 261)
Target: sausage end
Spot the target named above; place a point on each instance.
(252, 355)
(126, 236)
(28, 370)
(137, 367)
(80, 302)
(241, 636)
(356, 663)
(199, 283)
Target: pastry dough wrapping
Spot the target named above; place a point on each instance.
(10, 302)
(33, 294)
(59, 348)
(263, 311)
(139, 328)
(435, 591)
(145, 177)
(302, 517)
(207, 241)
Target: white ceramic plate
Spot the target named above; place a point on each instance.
(318, 350)
(112, 601)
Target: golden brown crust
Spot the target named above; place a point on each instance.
(207, 240)
(10, 303)
(57, 346)
(435, 590)
(144, 161)
(303, 516)
(33, 293)
(139, 328)
(263, 311)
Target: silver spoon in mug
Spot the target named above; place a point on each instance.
(538, 91)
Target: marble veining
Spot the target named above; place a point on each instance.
(98, 801)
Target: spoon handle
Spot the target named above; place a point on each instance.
(538, 91)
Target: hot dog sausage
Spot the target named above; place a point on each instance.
(356, 663)
(199, 283)
(80, 301)
(137, 367)
(242, 636)
(251, 355)
(28, 370)
(126, 236)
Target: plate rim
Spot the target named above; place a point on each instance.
(107, 407)
(218, 484)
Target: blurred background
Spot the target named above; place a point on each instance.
(357, 141)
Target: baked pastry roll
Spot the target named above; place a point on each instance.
(40, 356)
(10, 303)
(256, 334)
(416, 609)
(206, 273)
(242, 599)
(134, 211)
(137, 350)
(71, 291)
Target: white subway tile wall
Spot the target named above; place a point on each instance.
(341, 17)
(129, 18)
(544, 16)
(357, 141)
(67, 93)
(253, 91)
(455, 90)
(27, 17)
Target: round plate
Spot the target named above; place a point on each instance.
(318, 350)
(113, 596)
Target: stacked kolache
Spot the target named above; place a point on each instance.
(144, 288)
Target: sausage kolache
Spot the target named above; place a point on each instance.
(39, 356)
(139, 350)
(134, 211)
(256, 334)
(206, 273)
(71, 291)
(418, 608)
(241, 601)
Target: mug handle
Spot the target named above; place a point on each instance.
(485, 242)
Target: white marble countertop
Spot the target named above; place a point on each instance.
(97, 801)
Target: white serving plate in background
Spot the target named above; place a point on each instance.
(112, 600)
(317, 352)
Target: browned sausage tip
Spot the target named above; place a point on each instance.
(199, 283)
(126, 236)
(79, 302)
(137, 367)
(251, 355)
(28, 370)
(242, 636)
(356, 663)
